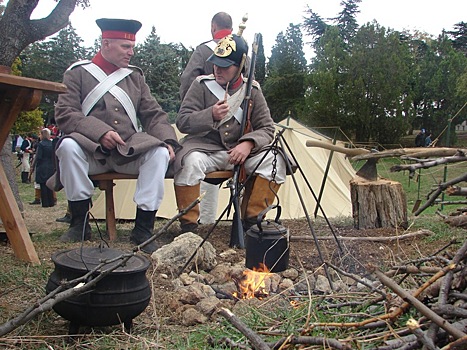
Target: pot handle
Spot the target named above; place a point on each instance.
(263, 213)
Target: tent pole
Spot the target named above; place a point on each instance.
(315, 238)
(312, 192)
(325, 176)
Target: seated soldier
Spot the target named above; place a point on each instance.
(100, 115)
(211, 116)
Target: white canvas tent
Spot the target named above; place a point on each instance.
(335, 200)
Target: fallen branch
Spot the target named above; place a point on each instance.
(304, 340)
(414, 152)
(366, 239)
(441, 187)
(425, 164)
(257, 342)
(421, 336)
(424, 310)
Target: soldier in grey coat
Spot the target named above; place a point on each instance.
(211, 116)
(111, 122)
(221, 26)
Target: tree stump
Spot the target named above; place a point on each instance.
(380, 203)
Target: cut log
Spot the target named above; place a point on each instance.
(375, 204)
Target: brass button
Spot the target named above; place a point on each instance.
(116, 109)
(115, 121)
(226, 125)
(226, 133)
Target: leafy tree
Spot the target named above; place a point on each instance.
(324, 100)
(48, 60)
(260, 66)
(459, 37)
(447, 67)
(377, 77)
(161, 66)
(30, 121)
(284, 87)
(346, 21)
(314, 26)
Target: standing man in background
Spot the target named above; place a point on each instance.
(221, 26)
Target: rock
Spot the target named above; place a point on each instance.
(172, 257)
(208, 305)
(191, 317)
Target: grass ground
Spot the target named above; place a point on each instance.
(20, 284)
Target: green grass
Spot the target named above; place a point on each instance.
(262, 317)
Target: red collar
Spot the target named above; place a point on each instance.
(105, 65)
(237, 83)
(222, 33)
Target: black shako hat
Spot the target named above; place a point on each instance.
(230, 50)
(114, 28)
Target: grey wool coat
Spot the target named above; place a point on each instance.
(108, 114)
(195, 119)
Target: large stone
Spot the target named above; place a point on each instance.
(172, 257)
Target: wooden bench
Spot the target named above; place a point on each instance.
(105, 182)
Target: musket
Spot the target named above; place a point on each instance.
(236, 233)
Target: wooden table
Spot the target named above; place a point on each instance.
(18, 94)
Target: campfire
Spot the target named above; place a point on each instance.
(252, 283)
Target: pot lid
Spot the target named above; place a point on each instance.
(85, 259)
(269, 228)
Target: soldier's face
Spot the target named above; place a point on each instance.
(118, 51)
(224, 75)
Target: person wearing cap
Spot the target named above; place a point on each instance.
(111, 122)
(211, 115)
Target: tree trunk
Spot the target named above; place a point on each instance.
(10, 173)
(376, 204)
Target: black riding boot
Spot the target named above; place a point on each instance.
(144, 226)
(25, 177)
(79, 226)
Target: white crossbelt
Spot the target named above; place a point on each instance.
(211, 44)
(107, 83)
(234, 101)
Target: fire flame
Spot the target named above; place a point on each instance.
(252, 283)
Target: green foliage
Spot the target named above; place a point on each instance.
(286, 70)
(260, 66)
(161, 66)
(377, 84)
(28, 122)
(48, 60)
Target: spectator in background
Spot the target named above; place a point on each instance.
(428, 139)
(45, 167)
(27, 147)
(420, 139)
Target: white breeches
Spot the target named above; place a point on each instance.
(197, 164)
(76, 165)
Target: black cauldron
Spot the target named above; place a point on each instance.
(118, 298)
(267, 243)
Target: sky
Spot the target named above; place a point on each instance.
(188, 22)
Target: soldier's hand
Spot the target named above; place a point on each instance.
(110, 140)
(240, 153)
(219, 110)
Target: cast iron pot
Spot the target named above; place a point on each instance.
(267, 243)
(117, 298)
